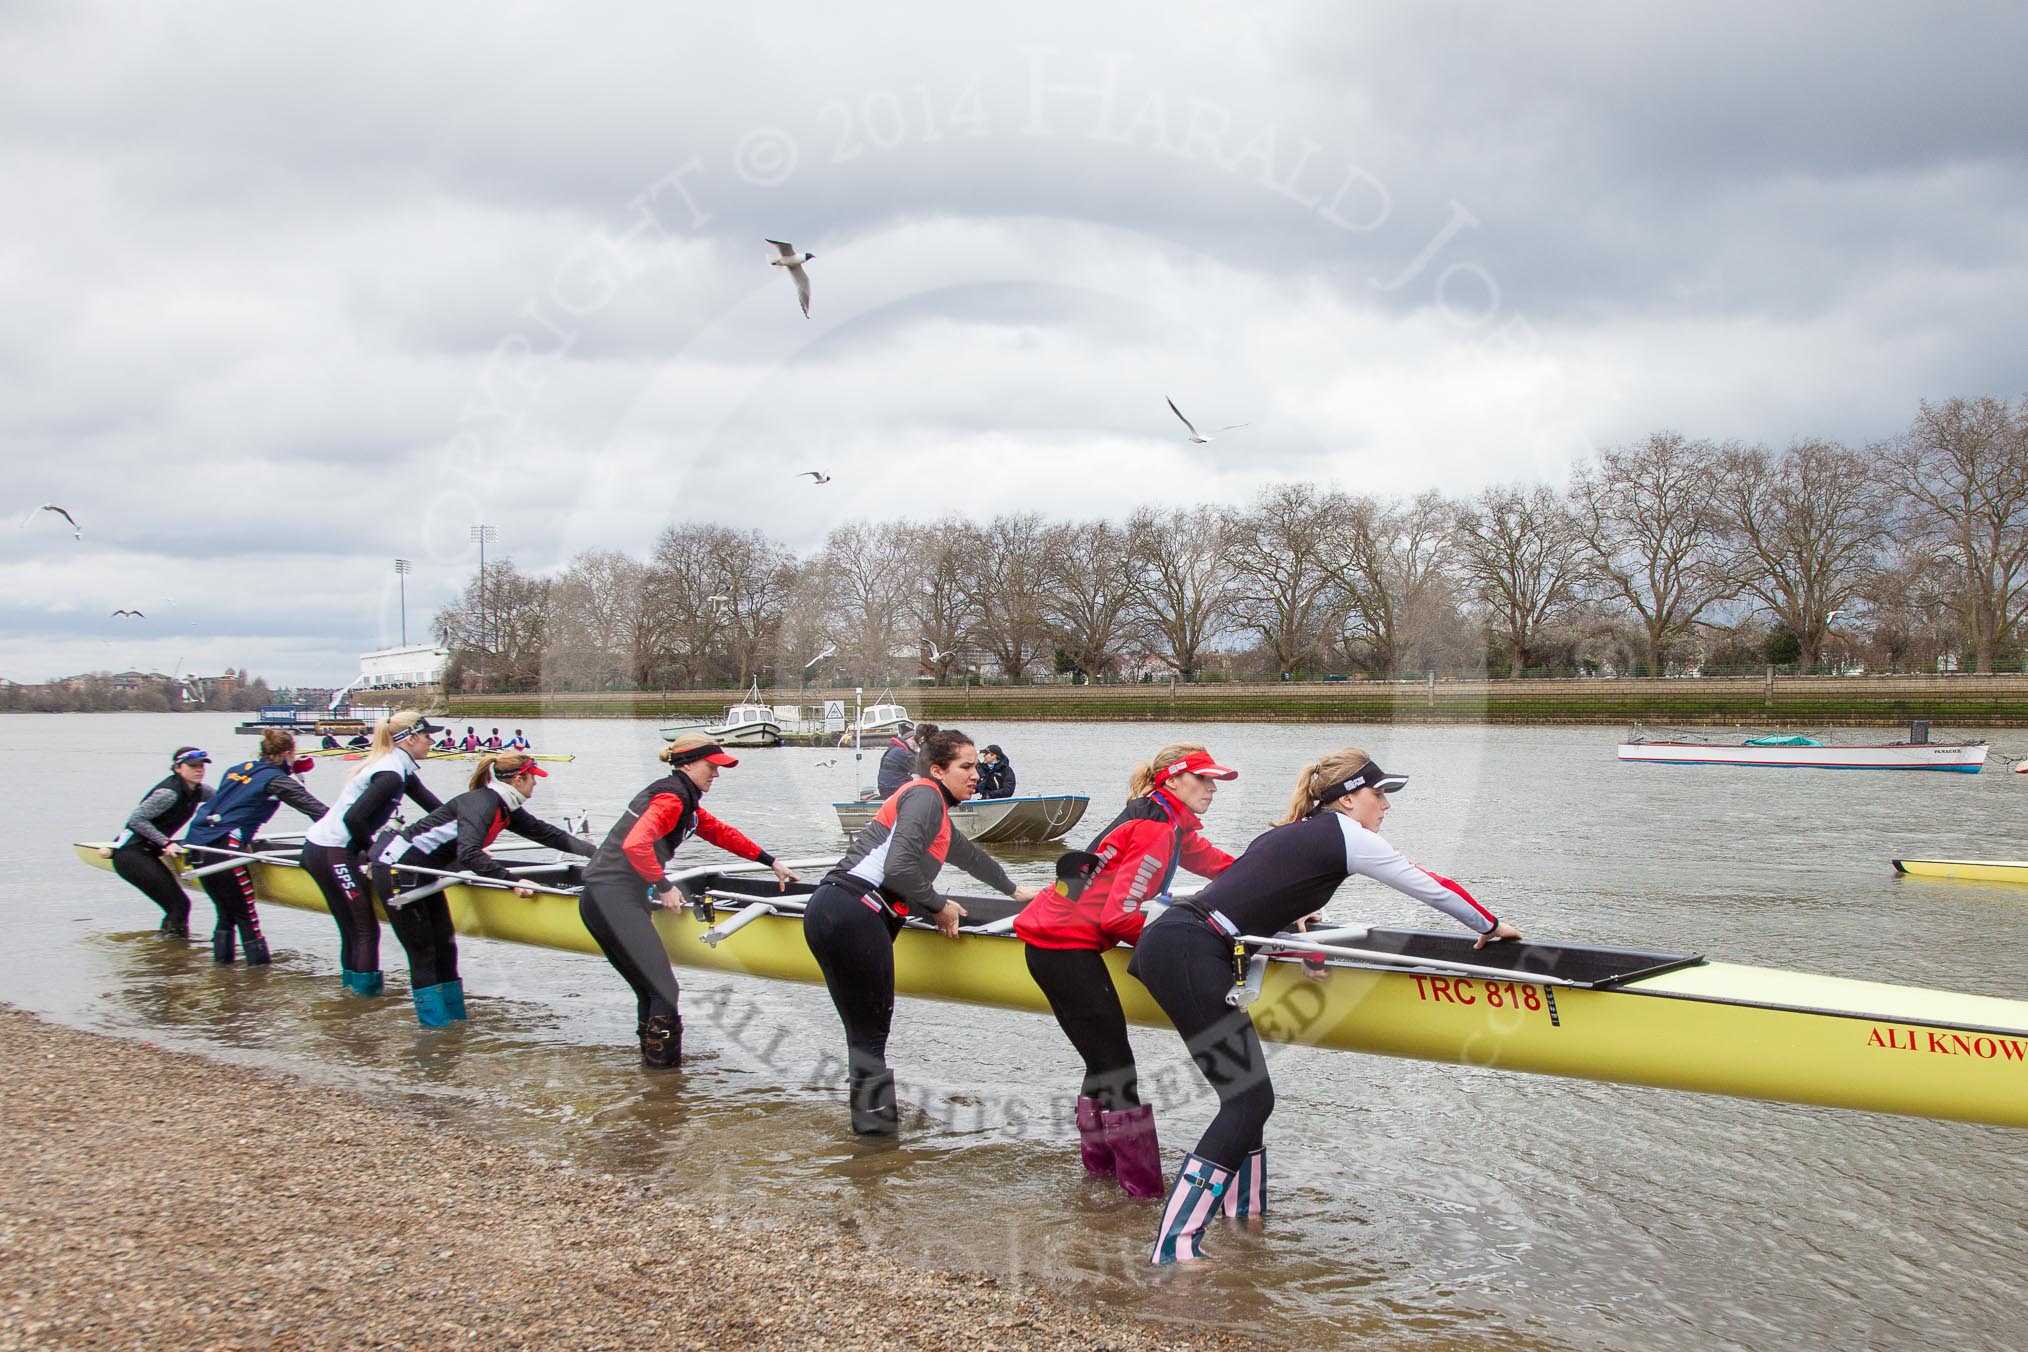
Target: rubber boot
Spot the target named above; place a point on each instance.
(1248, 1194)
(1091, 1139)
(175, 929)
(431, 1008)
(362, 983)
(873, 1108)
(454, 998)
(222, 948)
(662, 1043)
(1193, 1201)
(1137, 1155)
(257, 954)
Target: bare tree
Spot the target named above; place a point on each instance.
(1803, 528)
(1389, 566)
(1647, 517)
(1518, 549)
(1006, 583)
(941, 604)
(1089, 594)
(869, 579)
(1183, 579)
(752, 578)
(687, 612)
(1282, 584)
(1962, 470)
(1910, 616)
(591, 639)
(499, 630)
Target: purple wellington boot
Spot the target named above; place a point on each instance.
(1137, 1155)
(1091, 1139)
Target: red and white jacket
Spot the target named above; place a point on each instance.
(1141, 850)
(661, 817)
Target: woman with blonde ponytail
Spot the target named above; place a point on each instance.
(1100, 903)
(334, 850)
(1186, 960)
(455, 838)
(628, 878)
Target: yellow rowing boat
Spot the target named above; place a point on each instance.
(1965, 870)
(1669, 1020)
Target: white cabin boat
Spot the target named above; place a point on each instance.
(882, 720)
(747, 723)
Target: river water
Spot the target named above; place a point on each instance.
(1418, 1204)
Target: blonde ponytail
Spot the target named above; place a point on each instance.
(385, 731)
(1320, 774)
(1141, 782)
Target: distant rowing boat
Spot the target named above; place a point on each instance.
(1809, 754)
(1667, 1020)
(1965, 870)
(355, 753)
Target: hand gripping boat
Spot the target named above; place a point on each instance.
(1669, 1020)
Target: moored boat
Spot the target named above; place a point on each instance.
(747, 723)
(1965, 870)
(993, 821)
(1805, 753)
(1662, 1019)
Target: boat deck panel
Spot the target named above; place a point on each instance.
(1876, 1001)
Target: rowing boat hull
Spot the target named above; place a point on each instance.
(1963, 757)
(1713, 1028)
(1965, 870)
(993, 821)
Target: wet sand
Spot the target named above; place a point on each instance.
(156, 1199)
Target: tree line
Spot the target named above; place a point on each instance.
(1664, 554)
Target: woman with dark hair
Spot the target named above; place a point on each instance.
(627, 878)
(334, 850)
(139, 849)
(1068, 929)
(248, 795)
(454, 838)
(1185, 958)
(852, 918)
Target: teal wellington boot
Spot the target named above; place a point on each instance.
(454, 998)
(432, 1006)
(362, 983)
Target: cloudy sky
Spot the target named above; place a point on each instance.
(293, 290)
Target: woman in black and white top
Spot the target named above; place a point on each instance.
(1185, 959)
(334, 850)
(139, 849)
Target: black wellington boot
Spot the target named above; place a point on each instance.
(662, 1043)
(222, 944)
(873, 1109)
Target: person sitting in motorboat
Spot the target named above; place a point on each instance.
(1104, 902)
(454, 838)
(996, 773)
(904, 752)
(1186, 958)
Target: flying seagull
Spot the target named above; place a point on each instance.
(1196, 435)
(937, 654)
(821, 764)
(814, 476)
(794, 261)
(134, 613)
(77, 531)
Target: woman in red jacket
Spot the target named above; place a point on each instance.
(1136, 858)
(626, 881)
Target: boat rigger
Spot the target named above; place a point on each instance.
(1661, 1019)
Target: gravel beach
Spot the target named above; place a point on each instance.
(156, 1199)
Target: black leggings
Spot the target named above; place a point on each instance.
(232, 896)
(1187, 966)
(341, 876)
(1080, 990)
(423, 926)
(624, 929)
(853, 943)
(144, 868)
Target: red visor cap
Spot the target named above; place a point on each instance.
(720, 758)
(1197, 763)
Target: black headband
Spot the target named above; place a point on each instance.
(697, 753)
(1368, 776)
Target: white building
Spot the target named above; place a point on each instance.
(391, 668)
